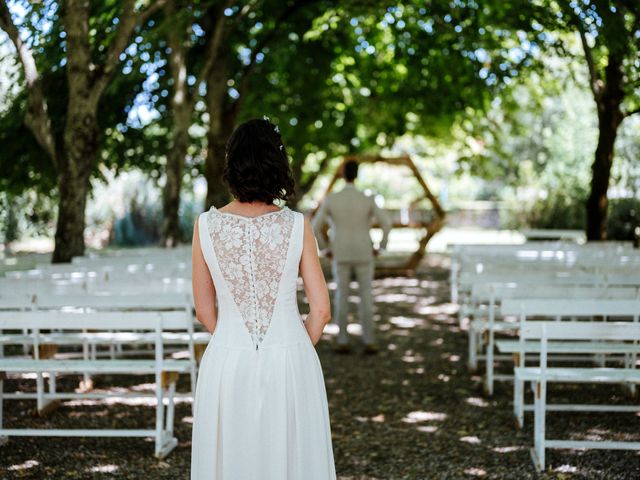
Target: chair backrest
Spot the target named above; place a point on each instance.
(540, 307)
(484, 292)
(17, 301)
(621, 331)
(556, 277)
(148, 301)
(62, 320)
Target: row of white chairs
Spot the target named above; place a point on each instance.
(471, 286)
(45, 302)
(490, 318)
(78, 327)
(546, 339)
(471, 261)
(100, 304)
(500, 290)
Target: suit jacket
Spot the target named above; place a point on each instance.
(349, 213)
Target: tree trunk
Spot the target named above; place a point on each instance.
(175, 169)
(181, 110)
(222, 119)
(296, 170)
(69, 238)
(609, 119)
(81, 141)
(217, 191)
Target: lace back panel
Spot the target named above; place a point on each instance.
(251, 254)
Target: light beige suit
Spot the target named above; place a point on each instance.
(349, 214)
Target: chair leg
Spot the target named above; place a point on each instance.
(86, 378)
(629, 363)
(473, 350)
(539, 424)
(518, 402)
(39, 392)
(165, 441)
(159, 415)
(52, 382)
(170, 409)
(489, 366)
(3, 439)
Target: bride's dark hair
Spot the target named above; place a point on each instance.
(257, 167)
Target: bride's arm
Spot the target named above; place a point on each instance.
(314, 286)
(204, 291)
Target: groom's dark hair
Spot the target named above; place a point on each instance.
(257, 167)
(350, 171)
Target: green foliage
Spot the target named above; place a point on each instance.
(559, 209)
(623, 222)
(492, 84)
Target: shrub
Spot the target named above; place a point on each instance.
(623, 222)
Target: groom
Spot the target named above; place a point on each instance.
(349, 213)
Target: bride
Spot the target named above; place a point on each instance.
(260, 404)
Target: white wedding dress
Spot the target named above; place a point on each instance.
(260, 404)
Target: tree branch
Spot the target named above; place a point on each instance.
(594, 78)
(129, 20)
(177, 63)
(628, 113)
(37, 115)
(246, 72)
(212, 49)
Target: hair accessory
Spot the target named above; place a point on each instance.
(265, 118)
(281, 147)
(276, 129)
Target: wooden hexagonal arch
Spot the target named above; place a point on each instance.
(430, 225)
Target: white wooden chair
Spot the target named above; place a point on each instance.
(494, 295)
(541, 375)
(121, 303)
(153, 322)
(558, 309)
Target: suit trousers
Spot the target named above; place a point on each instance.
(364, 275)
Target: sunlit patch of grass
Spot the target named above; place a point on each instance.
(103, 469)
(396, 298)
(23, 466)
(411, 357)
(476, 472)
(476, 402)
(421, 416)
(427, 428)
(473, 440)
(416, 371)
(375, 419)
(406, 322)
(566, 469)
(93, 413)
(513, 448)
(439, 309)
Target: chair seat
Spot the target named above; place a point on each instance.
(483, 325)
(579, 375)
(105, 337)
(514, 346)
(130, 366)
